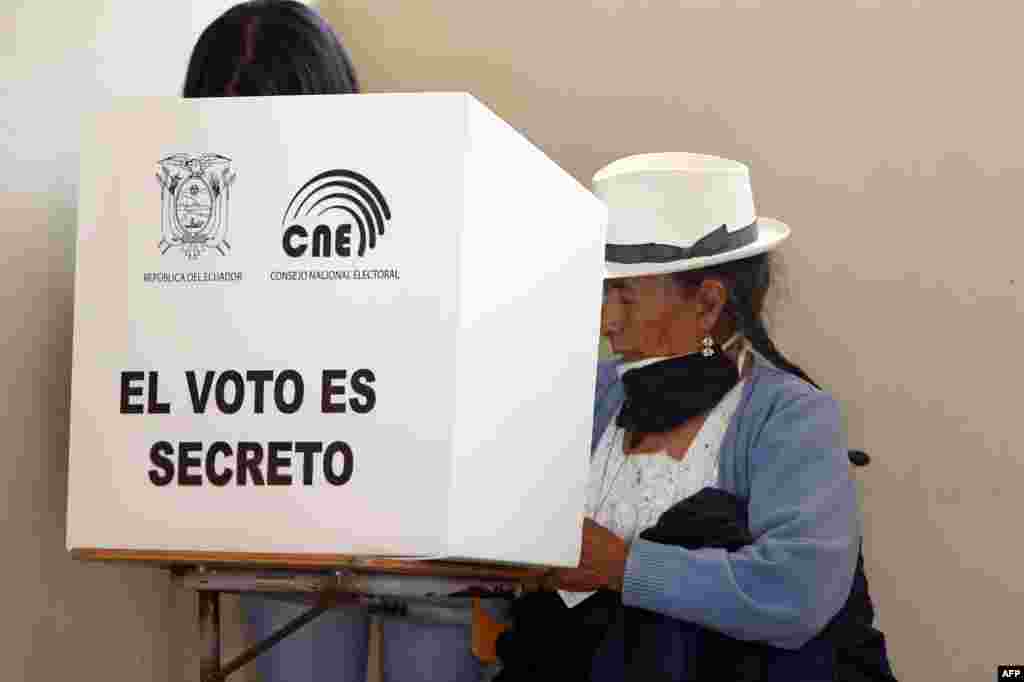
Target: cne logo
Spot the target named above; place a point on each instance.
(336, 213)
(194, 194)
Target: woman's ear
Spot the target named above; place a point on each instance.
(711, 298)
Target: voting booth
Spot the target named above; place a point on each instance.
(331, 326)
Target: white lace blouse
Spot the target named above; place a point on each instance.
(627, 493)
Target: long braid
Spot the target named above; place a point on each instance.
(748, 281)
(749, 285)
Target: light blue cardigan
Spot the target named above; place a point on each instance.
(785, 453)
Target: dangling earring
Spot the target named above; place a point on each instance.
(709, 346)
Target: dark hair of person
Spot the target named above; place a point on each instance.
(747, 281)
(269, 47)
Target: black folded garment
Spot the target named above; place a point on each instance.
(550, 641)
(708, 518)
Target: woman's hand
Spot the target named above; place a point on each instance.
(602, 562)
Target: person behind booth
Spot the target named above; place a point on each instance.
(269, 47)
(275, 47)
(722, 535)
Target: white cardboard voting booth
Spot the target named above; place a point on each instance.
(353, 325)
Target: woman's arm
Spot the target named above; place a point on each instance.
(784, 588)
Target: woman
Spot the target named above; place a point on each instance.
(275, 47)
(701, 397)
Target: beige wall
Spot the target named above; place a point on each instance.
(65, 620)
(888, 136)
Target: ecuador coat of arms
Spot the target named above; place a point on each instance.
(194, 194)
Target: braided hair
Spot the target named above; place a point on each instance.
(747, 281)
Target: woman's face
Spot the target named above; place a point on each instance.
(650, 317)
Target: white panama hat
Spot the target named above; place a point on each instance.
(676, 211)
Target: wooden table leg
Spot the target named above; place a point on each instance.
(374, 652)
(209, 636)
